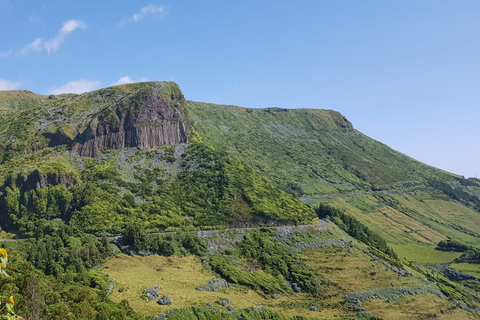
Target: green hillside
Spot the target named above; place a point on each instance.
(213, 191)
(319, 157)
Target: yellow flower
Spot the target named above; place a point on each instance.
(12, 301)
(1, 265)
(3, 253)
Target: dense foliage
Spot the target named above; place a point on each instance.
(72, 294)
(452, 245)
(274, 265)
(179, 243)
(354, 228)
(471, 256)
(183, 187)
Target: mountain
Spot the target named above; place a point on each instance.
(139, 159)
(319, 157)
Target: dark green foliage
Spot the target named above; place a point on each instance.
(57, 251)
(471, 256)
(452, 245)
(470, 182)
(164, 244)
(458, 194)
(277, 263)
(257, 280)
(74, 293)
(354, 228)
(278, 259)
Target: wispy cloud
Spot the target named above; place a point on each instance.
(151, 10)
(49, 45)
(34, 19)
(9, 85)
(78, 86)
(127, 79)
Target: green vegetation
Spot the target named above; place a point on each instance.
(470, 256)
(354, 228)
(457, 193)
(243, 168)
(212, 313)
(276, 263)
(201, 188)
(180, 243)
(452, 245)
(315, 151)
(74, 292)
(424, 254)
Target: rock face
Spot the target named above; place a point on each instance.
(145, 120)
(36, 180)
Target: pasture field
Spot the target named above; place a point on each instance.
(178, 277)
(356, 272)
(424, 254)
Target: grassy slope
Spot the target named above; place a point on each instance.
(318, 156)
(178, 277)
(352, 271)
(321, 143)
(356, 272)
(20, 99)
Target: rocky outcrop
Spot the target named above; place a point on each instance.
(145, 119)
(37, 180)
(57, 138)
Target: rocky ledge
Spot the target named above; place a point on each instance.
(36, 180)
(145, 119)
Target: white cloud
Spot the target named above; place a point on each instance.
(150, 10)
(53, 44)
(127, 79)
(9, 85)
(145, 11)
(79, 86)
(123, 80)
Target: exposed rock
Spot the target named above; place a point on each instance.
(144, 120)
(37, 180)
(56, 139)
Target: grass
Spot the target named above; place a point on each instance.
(178, 277)
(424, 254)
(354, 273)
(45, 161)
(350, 271)
(322, 142)
(415, 307)
(20, 99)
(392, 225)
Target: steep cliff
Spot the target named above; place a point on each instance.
(146, 119)
(36, 180)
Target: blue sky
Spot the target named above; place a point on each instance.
(404, 72)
